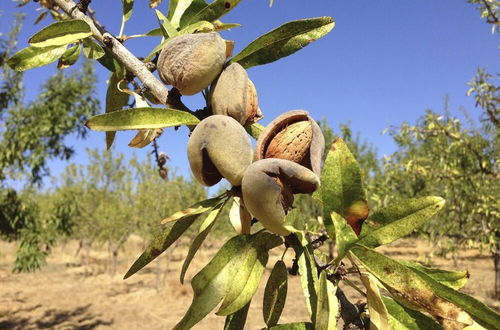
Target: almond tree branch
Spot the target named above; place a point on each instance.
(120, 52)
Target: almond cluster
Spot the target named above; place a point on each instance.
(287, 156)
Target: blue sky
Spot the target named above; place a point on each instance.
(385, 62)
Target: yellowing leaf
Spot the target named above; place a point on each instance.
(61, 33)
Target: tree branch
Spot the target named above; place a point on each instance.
(120, 52)
(490, 11)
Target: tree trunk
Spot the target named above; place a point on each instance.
(496, 261)
(158, 274)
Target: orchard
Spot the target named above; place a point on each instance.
(267, 169)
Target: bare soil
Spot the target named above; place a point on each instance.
(68, 294)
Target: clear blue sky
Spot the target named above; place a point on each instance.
(385, 62)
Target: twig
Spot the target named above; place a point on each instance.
(490, 11)
(350, 313)
(120, 52)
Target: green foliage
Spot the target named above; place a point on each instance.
(118, 202)
(140, 118)
(33, 134)
(275, 294)
(60, 34)
(283, 41)
(439, 156)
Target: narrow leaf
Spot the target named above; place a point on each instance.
(344, 236)
(284, 41)
(168, 236)
(453, 279)
(342, 188)
(34, 57)
(203, 232)
(115, 100)
(379, 317)
(168, 30)
(70, 56)
(400, 219)
(219, 26)
(237, 320)
(481, 313)
(92, 50)
(140, 118)
(308, 279)
(247, 277)
(293, 326)
(404, 318)
(217, 280)
(202, 26)
(327, 309)
(212, 12)
(109, 62)
(144, 137)
(40, 17)
(176, 9)
(194, 7)
(405, 285)
(61, 33)
(160, 243)
(275, 294)
(197, 208)
(127, 9)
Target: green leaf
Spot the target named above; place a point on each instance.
(344, 236)
(198, 208)
(308, 279)
(140, 118)
(404, 318)
(275, 294)
(212, 12)
(61, 33)
(398, 220)
(481, 313)
(186, 18)
(247, 277)
(202, 26)
(169, 235)
(379, 317)
(453, 279)
(34, 57)
(231, 276)
(70, 56)
(127, 9)
(406, 286)
(205, 228)
(327, 309)
(293, 326)
(168, 30)
(254, 130)
(92, 50)
(225, 26)
(109, 62)
(115, 100)
(237, 320)
(177, 8)
(284, 41)
(155, 33)
(342, 189)
(40, 17)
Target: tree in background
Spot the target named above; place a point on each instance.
(32, 134)
(414, 296)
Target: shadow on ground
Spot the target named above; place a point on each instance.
(79, 318)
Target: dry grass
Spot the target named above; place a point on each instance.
(68, 295)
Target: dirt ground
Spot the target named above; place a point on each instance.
(66, 294)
